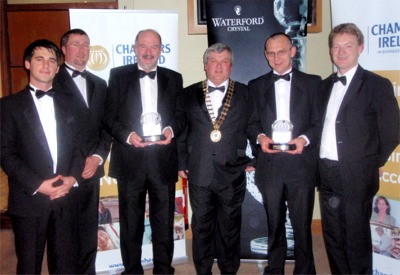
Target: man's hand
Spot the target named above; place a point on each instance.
(67, 183)
(136, 140)
(91, 165)
(183, 173)
(47, 188)
(55, 192)
(300, 142)
(168, 137)
(264, 142)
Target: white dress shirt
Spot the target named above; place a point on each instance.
(282, 98)
(149, 93)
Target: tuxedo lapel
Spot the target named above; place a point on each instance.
(89, 91)
(134, 96)
(162, 84)
(64, 130)
(70, 85)
(33, 120)
(295, 95)
(269, 96)
(202, 101)
(353, 88)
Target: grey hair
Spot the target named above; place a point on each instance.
(218, 48)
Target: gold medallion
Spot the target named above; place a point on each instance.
(215, 136)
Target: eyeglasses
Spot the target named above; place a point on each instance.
(278, 53)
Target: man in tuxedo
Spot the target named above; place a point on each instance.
(141, 161)
(212, 155)
(89, 92)
(40, 155)
(286, 177)
(360, 131)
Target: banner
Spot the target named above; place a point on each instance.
(380, 23)
(244, 25)
(112, 34)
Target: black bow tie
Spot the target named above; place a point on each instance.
(75, 73)
(212, 89)
(284, 77)
(151, 74)
(39, 93)
(342, 79)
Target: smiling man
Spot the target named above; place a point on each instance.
(212, 155)
(89, 92)
(286, 174)
(140, 95)
(40, 155)
(360, 131)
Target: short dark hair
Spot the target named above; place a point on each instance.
(218, 48)
(349, 28)
(65, 37)
(42, 43)
(275, 35)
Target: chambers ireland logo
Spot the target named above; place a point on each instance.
(99, 58)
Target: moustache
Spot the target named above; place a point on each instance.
(147, 56)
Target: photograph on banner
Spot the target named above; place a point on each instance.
(385, 211)
(386, 240)
(108, 237)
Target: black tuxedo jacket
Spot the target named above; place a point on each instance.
(123, 112)
(367, 126)
(207, 160)
(25, 155)
(305, 115)
(96, 140)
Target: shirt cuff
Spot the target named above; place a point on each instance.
(262, 134)
(101, 159)
(306, 138)
(127, 140)
(169, 127)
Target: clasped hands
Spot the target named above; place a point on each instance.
(54, 192)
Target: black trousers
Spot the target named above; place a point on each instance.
(345, 218)
(132, 203)
(299, 196)
(216, 221)
(89, 191)
(57, 227)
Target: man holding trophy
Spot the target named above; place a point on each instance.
(287, 135)
(143, 119)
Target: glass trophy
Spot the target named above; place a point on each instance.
(281, 135)
(152, 127)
